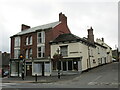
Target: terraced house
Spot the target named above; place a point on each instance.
(33, 43)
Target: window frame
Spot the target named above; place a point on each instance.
(42, 52)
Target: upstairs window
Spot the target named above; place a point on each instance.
(64, 50)
(26, 40)
(16, 53)
(30, 53)
(41, 51)
(30, 40)
(17, 41)
(41, 37)
(26, 53)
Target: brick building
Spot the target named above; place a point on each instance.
(33, 43)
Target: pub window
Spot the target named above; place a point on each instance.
(64, 66)
(69, 65)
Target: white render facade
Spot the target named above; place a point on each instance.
(90, 56)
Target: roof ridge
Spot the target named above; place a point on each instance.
(44, 26)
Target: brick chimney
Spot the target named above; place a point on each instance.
(103, 39)
(62, 18)
(90, 35)
(24, 27)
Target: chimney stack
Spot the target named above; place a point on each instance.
(103, 39)
(24, 27)
(62, 18)
(90, 35)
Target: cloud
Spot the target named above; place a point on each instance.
(102, 16)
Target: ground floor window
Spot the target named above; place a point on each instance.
(37, 68)
(64, 66)
(59, 65)
(69, 65)
(75, 65)
(14, 68)
(47, 67)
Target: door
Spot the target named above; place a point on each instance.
(28, 70)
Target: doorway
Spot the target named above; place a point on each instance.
(28, 70)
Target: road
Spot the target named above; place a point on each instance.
(105, 76)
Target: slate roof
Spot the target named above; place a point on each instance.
(65, 37)
(41, 27)
(70, 38)
(100, 45)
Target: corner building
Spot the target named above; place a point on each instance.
(33, 43)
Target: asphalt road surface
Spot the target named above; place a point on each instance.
(105, 76)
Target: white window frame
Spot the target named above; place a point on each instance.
(30, 53)
(17, 42)
(42, 37)
(26, 40)
(30, 40)
(26, 54)
(64, 52)
(42, 51)
(16, 53)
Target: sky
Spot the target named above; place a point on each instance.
(102, 15)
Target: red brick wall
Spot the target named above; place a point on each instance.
(12, 47)
(52, 34)
(33, 46)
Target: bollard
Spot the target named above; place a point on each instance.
(35, 77)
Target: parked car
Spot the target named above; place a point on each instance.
(114, 60)
(6, 73)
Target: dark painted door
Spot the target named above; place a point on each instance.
(28, 70)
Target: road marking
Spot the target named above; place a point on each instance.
(96, 78)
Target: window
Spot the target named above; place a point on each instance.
(69, 65)
(26, 40)
(26, 54)
(30, 53)
(75, 65)
(64, 66)
(41, 51)
(41, 37)
(17, 41)
(64, 50)
(59, 65)
(30, 40)
(16, 53)
(98, 51)
(37, 68)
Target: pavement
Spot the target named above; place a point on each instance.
(40, 79)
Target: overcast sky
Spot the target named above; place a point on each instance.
(102, 15)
